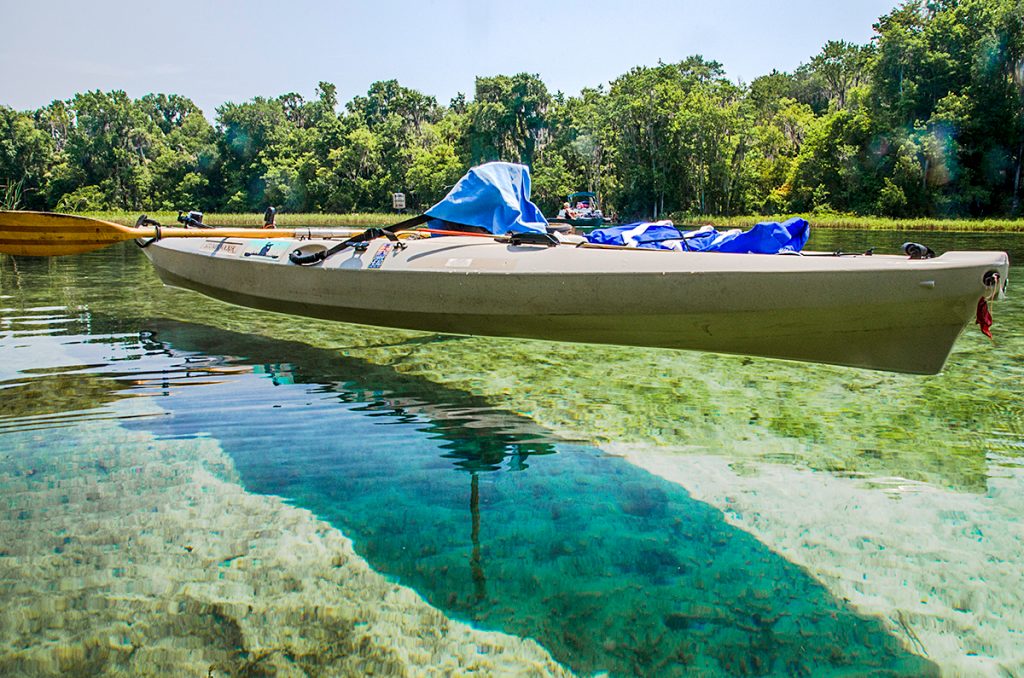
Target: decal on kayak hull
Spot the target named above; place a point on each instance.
(380, 256)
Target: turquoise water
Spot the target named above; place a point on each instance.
(502, 489)
(609, 567)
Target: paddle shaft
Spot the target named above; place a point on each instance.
(47, 234)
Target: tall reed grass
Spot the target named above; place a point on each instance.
(10, 195)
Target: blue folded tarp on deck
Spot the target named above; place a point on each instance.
(768, 237)
(495, 197)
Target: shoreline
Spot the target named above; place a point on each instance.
(831, 221)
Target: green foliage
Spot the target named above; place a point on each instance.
(892, 201)
(927, 120)
(432, 172)
(508, 118)
(552, 182)
(10, 199)
(24, 153)
(84, 199)
(837, 163)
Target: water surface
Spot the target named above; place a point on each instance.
(523, 486)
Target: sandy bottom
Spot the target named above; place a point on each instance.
(122, 554)
(942, 569)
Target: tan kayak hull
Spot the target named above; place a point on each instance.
(880, 312)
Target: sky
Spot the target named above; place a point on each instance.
(214, 51)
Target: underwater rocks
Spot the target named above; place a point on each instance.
(126, 555)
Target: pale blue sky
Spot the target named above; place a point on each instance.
(216, 51)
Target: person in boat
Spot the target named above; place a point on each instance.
(569, 212)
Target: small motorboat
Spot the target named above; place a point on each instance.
(581, 210)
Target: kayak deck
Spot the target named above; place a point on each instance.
(877, 312)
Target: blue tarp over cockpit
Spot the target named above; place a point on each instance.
(494, 197)
(768, 237)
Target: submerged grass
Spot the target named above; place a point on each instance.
(830, 221)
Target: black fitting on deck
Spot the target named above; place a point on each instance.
(532, 238)
(300, 259)
(917, 251)
(144, 221)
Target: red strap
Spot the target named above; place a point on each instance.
(984, 317)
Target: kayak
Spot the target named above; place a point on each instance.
(643, 284)
(882, 312)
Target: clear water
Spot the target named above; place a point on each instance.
(635, 512)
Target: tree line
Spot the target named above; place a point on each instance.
(927, 119)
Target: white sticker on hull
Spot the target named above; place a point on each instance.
(221, 247)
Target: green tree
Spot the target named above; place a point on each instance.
(245, 132)
(508, 118)
(181, 170)
(641, 105)
(26, 156)
(835, 168)
(841, 67)
(110, 147)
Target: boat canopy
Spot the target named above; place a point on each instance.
(767, 237)
(494, 196)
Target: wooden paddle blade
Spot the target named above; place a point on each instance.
(45, 234)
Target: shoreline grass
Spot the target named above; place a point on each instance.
(850, 222)
(255, 220)
(831, 221)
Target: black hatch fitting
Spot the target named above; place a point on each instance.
(917, 251)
